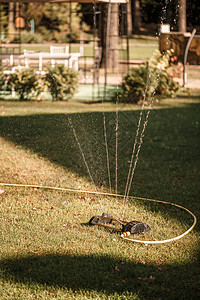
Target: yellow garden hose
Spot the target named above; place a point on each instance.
(116, 195)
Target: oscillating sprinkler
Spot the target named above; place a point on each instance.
(127, 228)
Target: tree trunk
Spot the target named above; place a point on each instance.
(11, 24)
(129, 19)
(182, 26)
(110, 51)
(137, 16)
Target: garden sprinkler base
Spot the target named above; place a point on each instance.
(176, 238)
(127, 228)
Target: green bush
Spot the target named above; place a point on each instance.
(166, 86)
(30, 37)
(1, 79)
(152, 78)
(62, 82)
(134, 85)
(23, 81)
(59, 81)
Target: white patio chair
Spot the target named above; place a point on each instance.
(59, 49)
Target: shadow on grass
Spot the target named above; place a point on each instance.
(185, 95)
(57, 137)
(169, 158)
(103, 274)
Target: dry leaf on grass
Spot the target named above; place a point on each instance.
(149, 279)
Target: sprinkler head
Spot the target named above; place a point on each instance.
(126, 233)
(135, 227)
(105, 218)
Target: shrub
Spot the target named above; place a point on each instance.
(1, 80)
(59, 81)
(133, 85)
(149, 79)
(22, 81)
(30, 37)
(62, 82)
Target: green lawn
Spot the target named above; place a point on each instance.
(138, 48)
(48, 251)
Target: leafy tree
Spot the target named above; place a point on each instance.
(152, 10)
(193, 12)
(33, 11)
(53, 20)
(178, 13)
(3, 17)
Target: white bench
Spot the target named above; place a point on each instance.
(55, 54)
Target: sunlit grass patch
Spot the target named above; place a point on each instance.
(47, 220)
